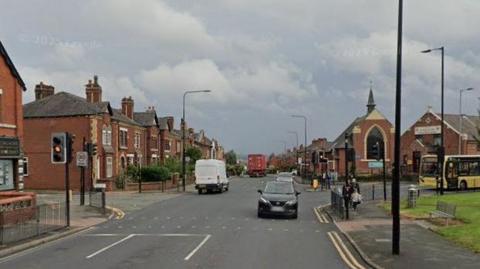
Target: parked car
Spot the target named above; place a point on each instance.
(211, 175)
(284, 177)
(278, 199)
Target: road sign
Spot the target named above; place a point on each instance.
(82, 159)
(375, 164)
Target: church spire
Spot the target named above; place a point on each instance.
(371, 102)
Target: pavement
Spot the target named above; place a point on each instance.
(202, 231)
(370, 228)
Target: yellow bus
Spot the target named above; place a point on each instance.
(460, 172)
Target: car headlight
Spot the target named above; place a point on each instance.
(292, 202)
(263, 200)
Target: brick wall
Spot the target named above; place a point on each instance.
(42, 173)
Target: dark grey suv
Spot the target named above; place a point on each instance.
(278, 199)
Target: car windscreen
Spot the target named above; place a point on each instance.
(279, 188)
(206, 171)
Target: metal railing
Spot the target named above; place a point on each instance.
(337, 203)
(24, 223)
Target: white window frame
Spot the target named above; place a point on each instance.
(124, 130)
(137, 142)
(109, 167)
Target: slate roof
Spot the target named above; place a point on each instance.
(339, 143)
(118, 116)
(62, 104)
(469, 124)
(146, 119)
(163, 122)
(11, 66)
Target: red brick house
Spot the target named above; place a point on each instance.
(11, 124)
(364, 132)
(64, 112)
(131, 137)
(170, 140)
(423, 137)
(150, 121)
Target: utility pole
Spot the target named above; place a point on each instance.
(347, 202)
(398, 122)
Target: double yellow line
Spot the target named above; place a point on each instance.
(345, 254)
(320, 216)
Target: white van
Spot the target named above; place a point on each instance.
(210, 175)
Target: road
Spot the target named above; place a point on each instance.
(193, 231)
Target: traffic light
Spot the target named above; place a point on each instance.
(94, 149)
(59, 148)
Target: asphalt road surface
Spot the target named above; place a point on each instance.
(197, 231)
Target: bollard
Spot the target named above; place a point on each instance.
(412, 196)
(373, 192)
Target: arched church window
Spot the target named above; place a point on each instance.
(374, 137)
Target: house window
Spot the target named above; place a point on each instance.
(25, 166)
(107, 136)
(374, 137)
(109, 166)
(123, 138)
(154, 142)
(437, 140)
(167, 145)
(137, 140)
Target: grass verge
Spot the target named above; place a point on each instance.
(466, 232)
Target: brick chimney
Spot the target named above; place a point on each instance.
(43, 90)
(127, 107)
(93, 91)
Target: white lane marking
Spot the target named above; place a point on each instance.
(198, 247)
(109, 246)
(42, 246)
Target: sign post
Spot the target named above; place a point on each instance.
(82, 162)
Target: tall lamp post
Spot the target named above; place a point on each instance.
(304, 146)
(183, 134)
(296, 151)
(441, 151)
(398, 123)
(461, 119)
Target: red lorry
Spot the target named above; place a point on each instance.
(257, 165)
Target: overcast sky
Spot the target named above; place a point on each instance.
(263, 59)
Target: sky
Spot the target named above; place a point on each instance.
(263, 60)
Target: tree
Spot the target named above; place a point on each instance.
(231, 157)
(194, 154)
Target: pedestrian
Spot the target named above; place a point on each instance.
(355, 185)
(347, 192)
(356, 199)
(329, 180)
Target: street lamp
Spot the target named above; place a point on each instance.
(296, 151)
(441, 152)
(183, 133)
(305, 145)
(461, 119)
(398, 123)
